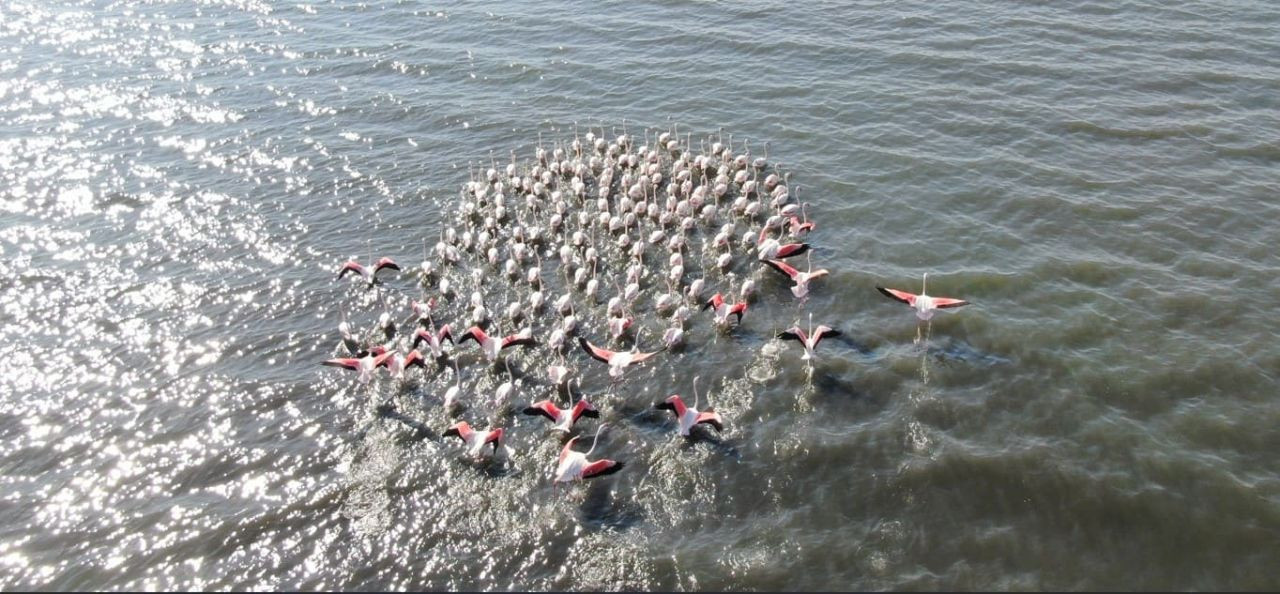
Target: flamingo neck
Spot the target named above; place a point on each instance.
(595, 440)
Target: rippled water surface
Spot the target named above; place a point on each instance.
(180, 181)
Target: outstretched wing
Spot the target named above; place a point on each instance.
(544, 408)
(639, 357)
(945, 302)
(710, 418)
(346, 363)
(601, 468)
(783, 267)
(420, 336)
(822, 332)
(596, 352)
(385, 263)
(793, 333)
(473, 333)
(462, 431)
(351, 266)
(518, 340)
(896, 295)
(792, 249)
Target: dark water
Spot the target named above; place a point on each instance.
(179, 182)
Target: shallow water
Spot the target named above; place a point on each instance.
(179, 183)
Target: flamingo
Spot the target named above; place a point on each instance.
(363, 364)
(492, 345)
(809, 339)
(922, 303)
(724, 310)
(801, 279)
(557, 373)
(435, 340)
(423, 310)
(564, 418)
(801, 224)
(348, 337)
(397, 364)
(617, 360)
(673, 337)
(475, 440)
(368, 273)
(771, 249)
(451, 395)
(574, 466)
(689, 416)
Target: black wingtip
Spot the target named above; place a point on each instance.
(886, 293)
(610, 470)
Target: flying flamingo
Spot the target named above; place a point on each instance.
(397, 364)
(435, 340)
(809, 339)
(772, 249)
(574, 466)
(801, 279)
(564, 418)
(617, 360)
(475, 440)
(363, 364)
(689, 416)
(724, 310)
(922, 303)
(492, 345)
(368, 273)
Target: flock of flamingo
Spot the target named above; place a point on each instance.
(685, 227)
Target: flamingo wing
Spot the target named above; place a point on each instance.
(714, 302)
(351, 266)
(518, 340)
(385, 263)
(945, 302)
(420, 336)
(793, 333)
(544, 408)
(737, 310)
(673, 403)
(584, 409)
(445, 333)
(710, 418)
(792, 249)
(380, 360)
(822, 332)
(414, 358)
(601, 468)
(461, 430)
(346, 363)
(896, 295)
(596, 352)
(474, 333)
(639, 357)
(783, 267)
